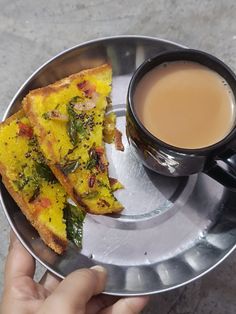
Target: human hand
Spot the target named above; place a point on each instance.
(78, 293)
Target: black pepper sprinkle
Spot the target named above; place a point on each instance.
(50, 219)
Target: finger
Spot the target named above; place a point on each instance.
(49, 281)
(76, 289)
(19, 262)
(132, 305)
(99, 302)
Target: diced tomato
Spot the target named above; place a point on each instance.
(25, 130)
(89, 92)
(99, 150)
(82, 85)
(91, 181)
(103, 163)
(112, 181)
(102, 166)
(45, 202)
(42, 202)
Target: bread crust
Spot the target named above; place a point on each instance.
(54, 87)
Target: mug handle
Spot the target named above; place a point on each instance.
(220, 174)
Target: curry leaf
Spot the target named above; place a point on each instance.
(71, 124)
(90, 195)
(74, 217)
(21, 183)
(72, 131)
(45, 172)
(91, 163)
(35, 194)
(80, 128)
(70, 166)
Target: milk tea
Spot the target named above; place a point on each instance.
(185, 104)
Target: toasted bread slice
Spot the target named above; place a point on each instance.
(30, 182)
(68, 118)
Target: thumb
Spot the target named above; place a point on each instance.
(19, 262)
(73, 293)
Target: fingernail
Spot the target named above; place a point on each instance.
(99, 269)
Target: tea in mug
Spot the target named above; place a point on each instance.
(185, 104)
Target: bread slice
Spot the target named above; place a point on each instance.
(68, 118)
(30, 182)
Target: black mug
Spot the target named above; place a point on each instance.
(169, 160)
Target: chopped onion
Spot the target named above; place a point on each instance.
(85, 105)
(57, 115)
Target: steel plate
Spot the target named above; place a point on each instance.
(172, 230)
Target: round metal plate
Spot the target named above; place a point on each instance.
(172, 230)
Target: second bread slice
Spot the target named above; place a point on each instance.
(68, 118)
